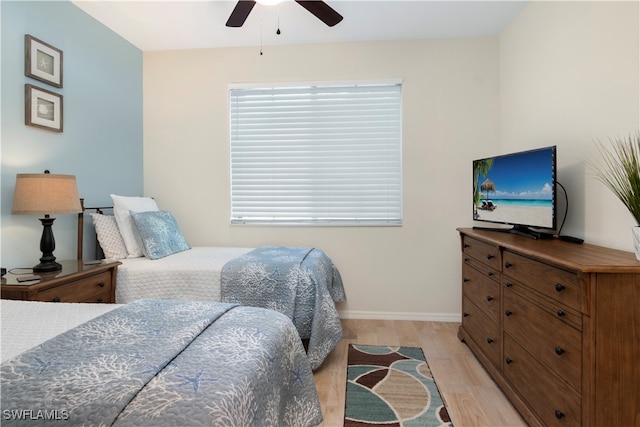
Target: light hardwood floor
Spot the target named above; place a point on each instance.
(472, 398)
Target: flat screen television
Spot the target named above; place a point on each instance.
(518, 189)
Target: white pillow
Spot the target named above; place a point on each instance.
(109, 236)
(122, 207)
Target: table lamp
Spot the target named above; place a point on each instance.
(44, 194)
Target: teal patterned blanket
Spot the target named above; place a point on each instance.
(302, 283)
(166, 363)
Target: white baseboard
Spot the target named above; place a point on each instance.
(389, 315)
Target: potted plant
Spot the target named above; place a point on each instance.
(620, 172)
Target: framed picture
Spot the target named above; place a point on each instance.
(43, 109)
(42, 61)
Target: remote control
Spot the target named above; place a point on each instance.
(27, 278)
(572, 239)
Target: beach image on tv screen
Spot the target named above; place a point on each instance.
(515, 189)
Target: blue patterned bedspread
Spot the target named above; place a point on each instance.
(166, 363)
(302, 283)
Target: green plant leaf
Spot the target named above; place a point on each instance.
(619, 170)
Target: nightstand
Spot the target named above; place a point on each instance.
(76, 282)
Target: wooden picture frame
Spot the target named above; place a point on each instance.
(42, 61)
(42, 108)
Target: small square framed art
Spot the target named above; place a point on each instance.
(42, 61)
(43, 108)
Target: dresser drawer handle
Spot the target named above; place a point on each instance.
(56, 299)
(490, 273)
(101, 284)
(466, 260)
(560, 313)
(559, 350)
(559, 414)
(508, 360)
(489, 340)
(489, 256)
(466, 245)
(508, 313)
(508, 285)
(490, 298)
(560, 287)
(508, 265)
(465, 280)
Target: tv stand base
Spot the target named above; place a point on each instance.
(521, 231)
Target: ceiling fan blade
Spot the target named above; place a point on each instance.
(322, 11)
(240, 13)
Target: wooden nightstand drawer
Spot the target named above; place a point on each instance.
(100, 298)
(78, 290)
(75, 282)
(560, 285)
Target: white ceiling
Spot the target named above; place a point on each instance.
(178, 24)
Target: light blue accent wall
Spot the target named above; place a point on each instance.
(102, 140)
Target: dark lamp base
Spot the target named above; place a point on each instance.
(47, 246)
(45, 267)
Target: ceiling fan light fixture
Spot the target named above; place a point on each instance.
(269, 2)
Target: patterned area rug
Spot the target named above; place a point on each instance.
(391, 386)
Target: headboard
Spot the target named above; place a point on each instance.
(97, 209)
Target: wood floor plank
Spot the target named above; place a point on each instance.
(472, 398)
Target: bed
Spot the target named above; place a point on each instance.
(157, 262)
(154, 362)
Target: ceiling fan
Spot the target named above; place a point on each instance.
(320, 9)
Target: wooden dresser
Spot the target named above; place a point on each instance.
(556, 325)
(76, 282)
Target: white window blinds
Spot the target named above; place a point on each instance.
(317, 154)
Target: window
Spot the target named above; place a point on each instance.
(326, 154)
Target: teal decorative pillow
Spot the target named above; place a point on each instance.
(159, 233)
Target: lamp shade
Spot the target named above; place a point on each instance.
(45, 193)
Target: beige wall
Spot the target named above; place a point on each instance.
(563, 73)
(450, 116)
(569, 74)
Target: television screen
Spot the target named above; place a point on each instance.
(517, 189)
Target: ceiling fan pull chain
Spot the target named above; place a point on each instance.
(278, 30)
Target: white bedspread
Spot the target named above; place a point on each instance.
(26, 324)
(190, 275)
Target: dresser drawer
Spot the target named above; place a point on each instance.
(549, 339)
(555, 403)
(551, 306)
(482, 291)
(82, 290)
(485, 332)
(483, 252)
(483, 268)
(560, 285)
